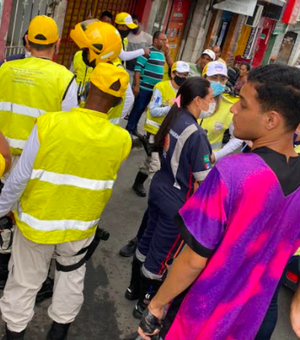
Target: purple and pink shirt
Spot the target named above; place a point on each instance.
(242, 221)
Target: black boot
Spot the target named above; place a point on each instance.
(138, 185)
(58, 331)
(13, 335)
(4, 259)
(148, 288)
(132, 292)
(46, 291)
(130, 248)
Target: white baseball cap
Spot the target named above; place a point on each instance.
(210, 53)
(215, 68)
(181, 67)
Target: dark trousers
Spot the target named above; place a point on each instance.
(268, 325)
(140, 105)
(161, 241)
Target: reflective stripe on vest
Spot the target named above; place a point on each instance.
(73, 175)
(80, 182)
(16, 143)
(21, 109)
(32, 86)
(52, 225)
(152, 123)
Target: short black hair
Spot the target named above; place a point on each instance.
(40, 47)
(157, 34)
(135, 17)
(247, 65)
(106, 14)
(278, 89)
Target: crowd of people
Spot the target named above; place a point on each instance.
(220, 225)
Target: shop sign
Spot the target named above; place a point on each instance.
(280, 28)
(291, 13)
(244, 7)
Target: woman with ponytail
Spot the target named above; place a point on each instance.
(185, 159)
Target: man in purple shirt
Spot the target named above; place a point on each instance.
(241, 226)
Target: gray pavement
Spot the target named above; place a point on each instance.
(106, 314)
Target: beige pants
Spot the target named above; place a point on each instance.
(28, 269)
(151, 164)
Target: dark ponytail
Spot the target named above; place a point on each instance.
(191, 88)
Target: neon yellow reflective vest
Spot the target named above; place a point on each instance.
(168, 93)
(73, 175)
(32, 86)
(115, 113)
(218, 123)
(81, 70)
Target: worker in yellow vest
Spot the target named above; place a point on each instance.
(220, 119)
(28, 88)
(91, 36)
(161, 103)
(61, 194)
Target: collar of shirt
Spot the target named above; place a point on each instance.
(91, 112)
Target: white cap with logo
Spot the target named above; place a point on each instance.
(210, 53)
(215, 68)
(181, 67)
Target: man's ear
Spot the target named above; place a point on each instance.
(273, 119)
(57, 45)
(27, 42)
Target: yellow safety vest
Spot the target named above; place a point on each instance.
(73, 175)
(115, 113)
(81, 70)
(168, 92)
(297, 148)
(218, 123)
(29, 88)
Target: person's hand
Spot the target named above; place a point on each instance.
(147, 51)
(12, 217)
(166, 49)
(150, 324)
(136, 90)
(295, 315)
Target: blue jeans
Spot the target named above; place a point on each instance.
(140, 105)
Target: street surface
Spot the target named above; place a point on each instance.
(106, 314)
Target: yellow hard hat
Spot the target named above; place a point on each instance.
(124, 18)
(105, 75)
(102, 40)
(43, 30)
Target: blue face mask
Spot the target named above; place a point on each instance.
(217, 87)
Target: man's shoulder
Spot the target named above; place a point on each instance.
(241, 165)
